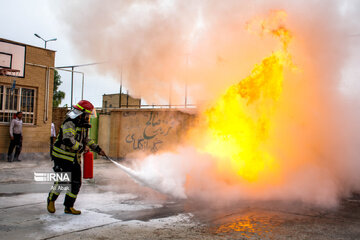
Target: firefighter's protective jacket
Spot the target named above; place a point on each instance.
(71, 141)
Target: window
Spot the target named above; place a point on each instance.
(14, 100)
(11, 99)
(27, 104)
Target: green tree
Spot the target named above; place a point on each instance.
(57, 95)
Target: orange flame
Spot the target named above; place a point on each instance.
(239, 123)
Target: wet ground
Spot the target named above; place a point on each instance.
(114, 207)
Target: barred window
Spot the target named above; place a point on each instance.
(14, 100)
(27, 104)
(11, 99)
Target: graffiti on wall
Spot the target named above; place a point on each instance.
(153, 134)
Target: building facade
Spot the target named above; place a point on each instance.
(111, 101)
(26, 84)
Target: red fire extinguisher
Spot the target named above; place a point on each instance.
(88, 165)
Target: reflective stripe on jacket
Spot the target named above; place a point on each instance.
(70, 141)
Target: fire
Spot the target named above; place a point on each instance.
(239, 123)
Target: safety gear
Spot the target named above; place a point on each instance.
(66, 153)
(86, 106)
(73, 187)
(84, 121)
(71, 195)
(51, 206)
(74, 113)
(72, 141)
(81, 107)
(71, 210)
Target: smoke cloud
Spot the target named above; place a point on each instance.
(162, 45)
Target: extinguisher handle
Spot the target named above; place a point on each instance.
(86, 149)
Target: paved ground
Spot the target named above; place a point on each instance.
(114, 207)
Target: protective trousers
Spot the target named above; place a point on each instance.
(75, 169)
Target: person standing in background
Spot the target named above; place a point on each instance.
(52, 136)
(16, 137)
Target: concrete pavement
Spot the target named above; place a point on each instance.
(114, 207)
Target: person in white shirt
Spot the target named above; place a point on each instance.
(16, 137)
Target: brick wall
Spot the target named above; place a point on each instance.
(58, 117)
(35, 136)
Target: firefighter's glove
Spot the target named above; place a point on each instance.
(87, 149)
(82, 148)
(99, 151)
(102, 153)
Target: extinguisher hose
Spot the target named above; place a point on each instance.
(142, 179)
(131, 173)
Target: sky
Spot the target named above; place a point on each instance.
(49, 20)
(25, 18)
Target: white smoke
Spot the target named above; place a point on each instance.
(204, 44)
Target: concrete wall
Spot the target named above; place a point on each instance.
(127, 131)
(104, 132)
(35, 136)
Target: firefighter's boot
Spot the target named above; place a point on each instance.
(51, 206)
(71, 210)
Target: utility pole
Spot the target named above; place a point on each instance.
(72, 85)
(45, 41)
(120, 88)
(186, 80)
(170, 87)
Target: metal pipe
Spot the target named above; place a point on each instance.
(170, 95)
(47, 89)
(83, 65)
(186, 80)
(120, 88)
(72, 77)
(72, 86)
(45, 41)
(127, 99)
(82, 87)
(59, 68)
(185, 94)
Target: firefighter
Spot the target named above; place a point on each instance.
(71, 142)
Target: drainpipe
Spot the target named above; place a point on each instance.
(47, 95)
